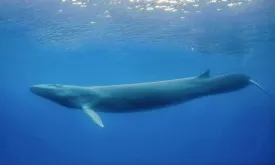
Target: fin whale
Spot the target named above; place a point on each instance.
(145, 96)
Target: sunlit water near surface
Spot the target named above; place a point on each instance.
(217, 26)
(105, 42)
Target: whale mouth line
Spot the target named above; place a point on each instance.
(33, 89)
(37, 89)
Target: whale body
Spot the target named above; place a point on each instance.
(126, 98)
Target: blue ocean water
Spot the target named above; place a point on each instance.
(109, 42)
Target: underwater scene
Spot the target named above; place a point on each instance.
(137, 82)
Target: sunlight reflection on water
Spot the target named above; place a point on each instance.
(212, 26)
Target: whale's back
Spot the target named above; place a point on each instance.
(144, 96)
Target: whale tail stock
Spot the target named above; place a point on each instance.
(206, 74)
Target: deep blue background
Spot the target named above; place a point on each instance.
(233, 128)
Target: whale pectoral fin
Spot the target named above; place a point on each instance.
(93, 115)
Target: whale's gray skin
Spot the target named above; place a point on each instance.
(140, 96)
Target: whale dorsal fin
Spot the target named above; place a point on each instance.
(205, 74)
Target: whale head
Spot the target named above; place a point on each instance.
(47, 90)
(61, 94)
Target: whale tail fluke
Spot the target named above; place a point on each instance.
(260, 87)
